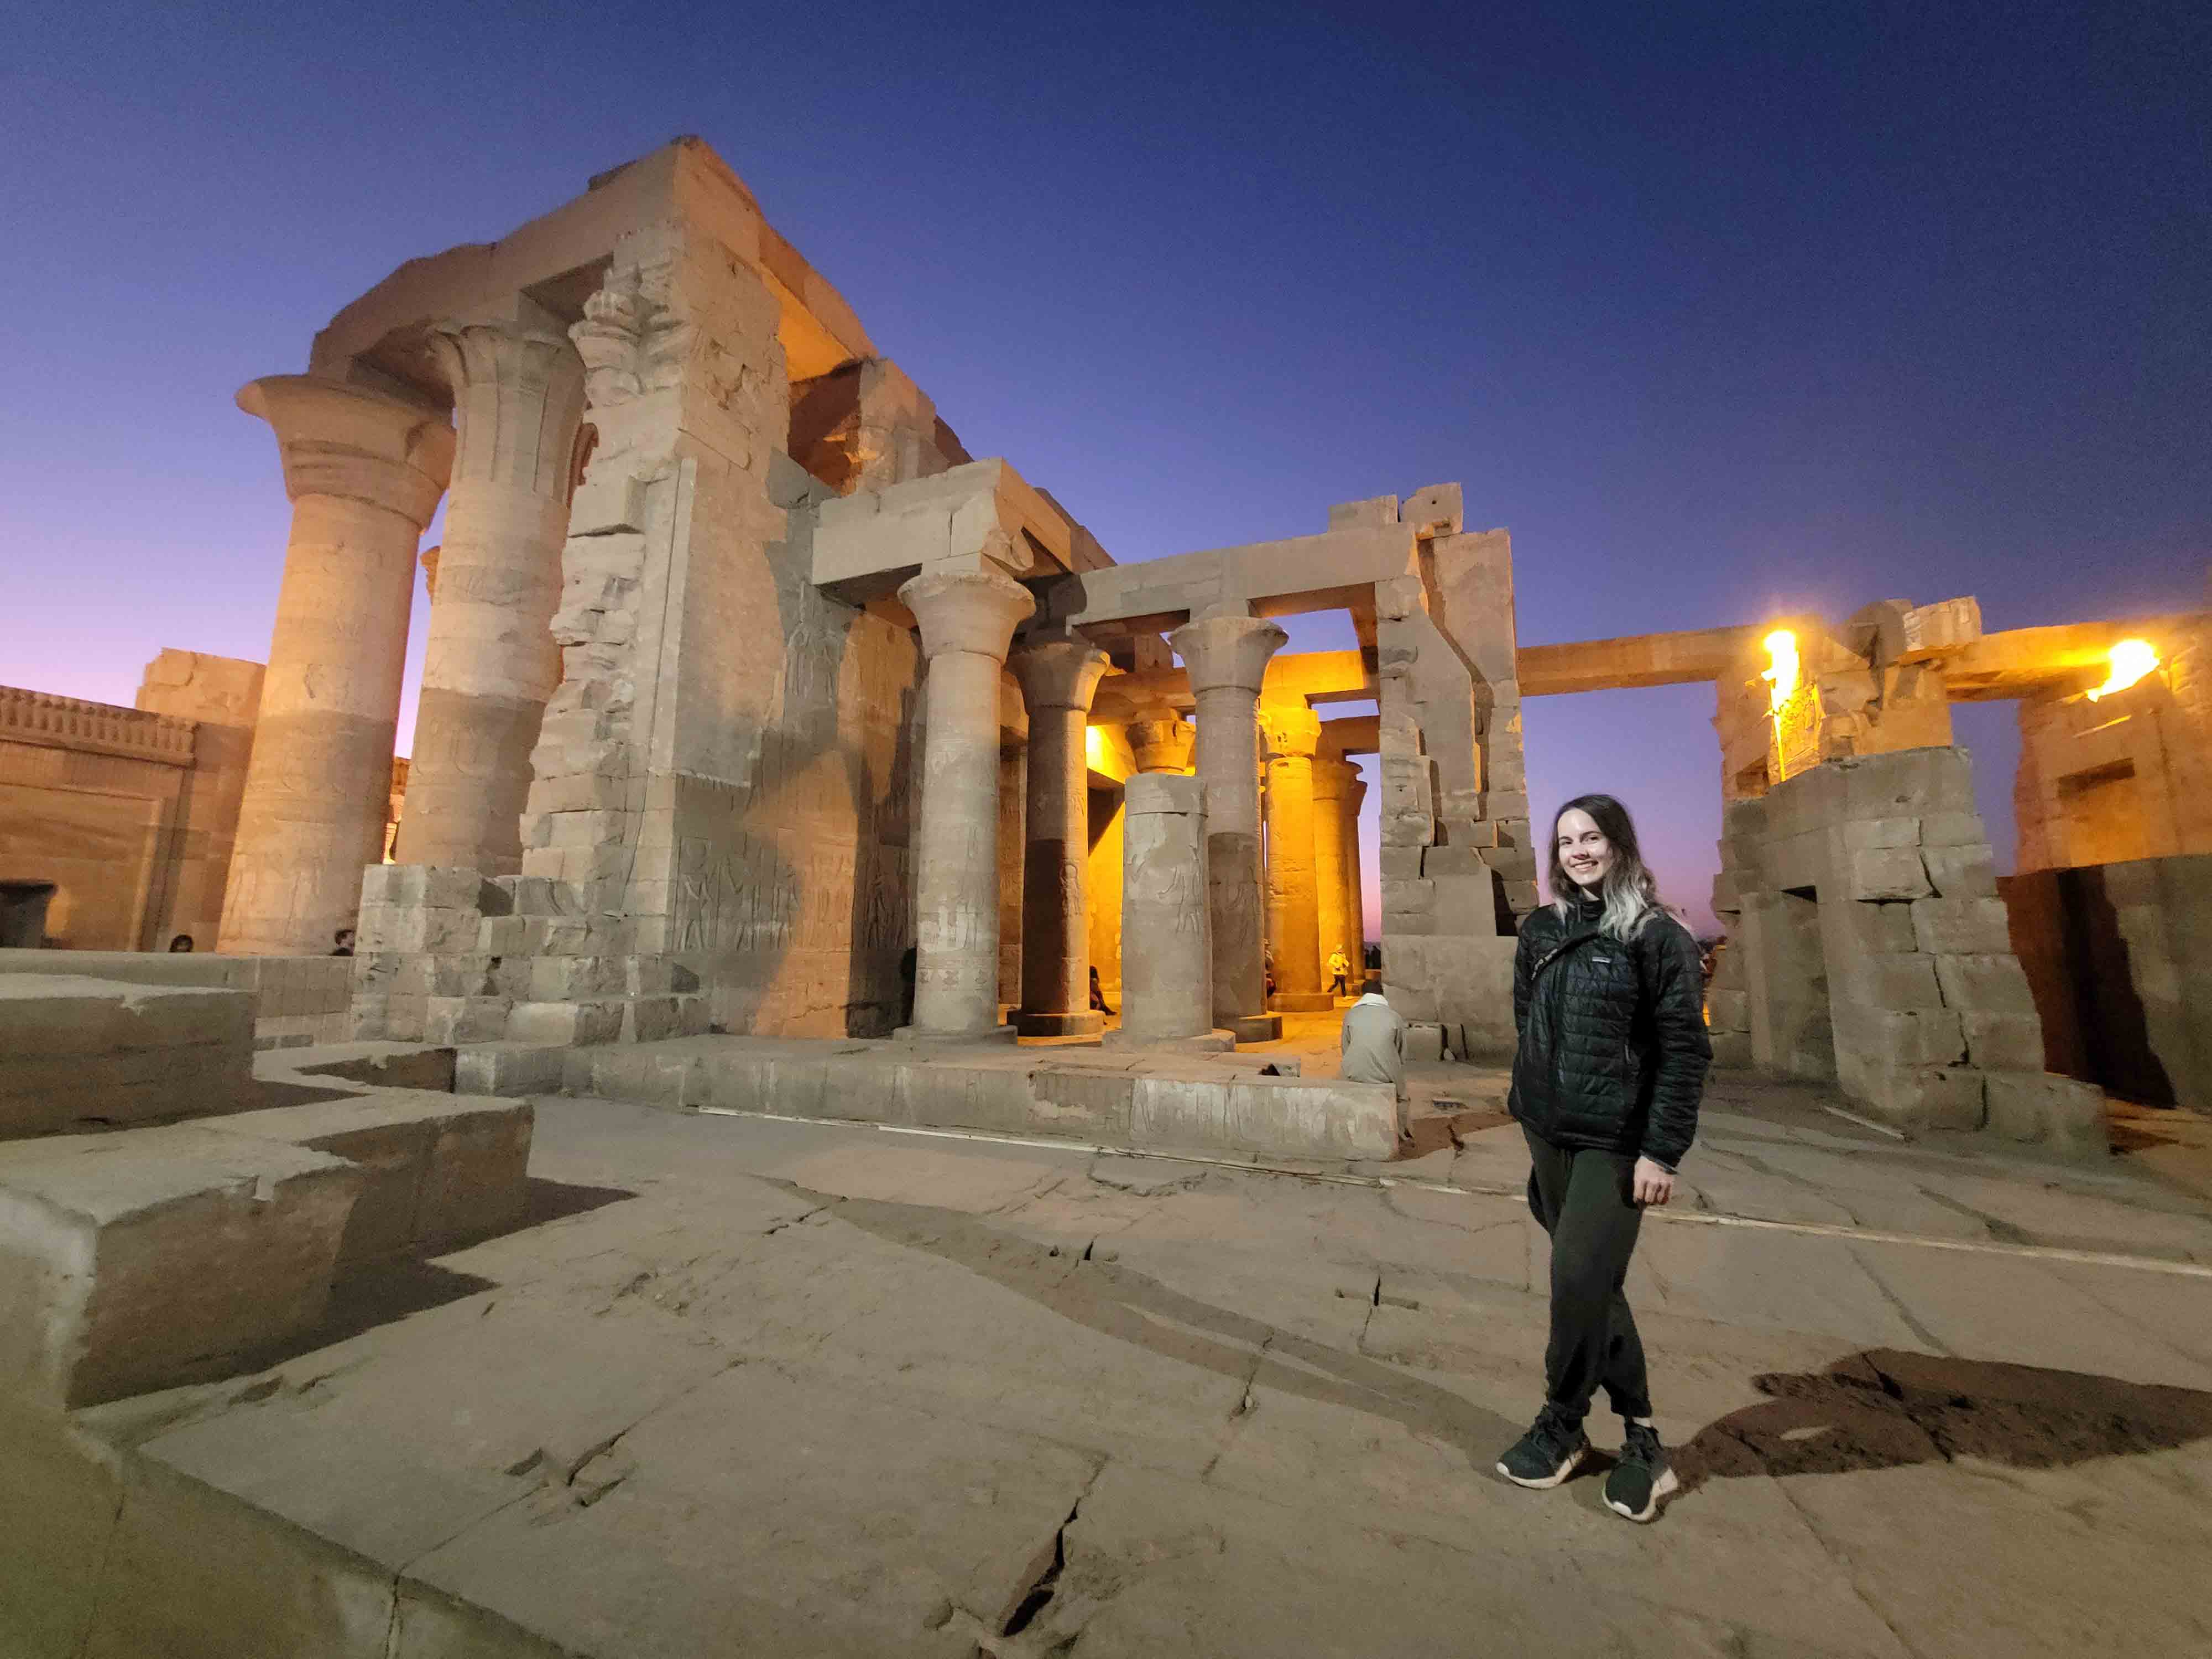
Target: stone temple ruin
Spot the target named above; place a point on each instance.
(755, 709)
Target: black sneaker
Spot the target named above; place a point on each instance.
(1641, 1478)
(1546, 1455)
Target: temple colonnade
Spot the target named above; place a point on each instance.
(365, 470)
(1006, 872)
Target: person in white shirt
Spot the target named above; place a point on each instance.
(1373, 1041)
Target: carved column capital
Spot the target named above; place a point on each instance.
(1059, 674)
(971, 610)
(518, 393)
(1220, 651)
(354, 443)
(1293, 731)
(1162, 740)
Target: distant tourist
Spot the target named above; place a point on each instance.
(1609, 1004)
(341, 942)
(1098, 995)
(1373, 1041)
(1339, 966)
(181, 945)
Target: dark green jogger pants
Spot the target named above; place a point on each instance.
(1582, 1198)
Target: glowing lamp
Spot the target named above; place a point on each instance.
(1782, 679)
(2131, 660)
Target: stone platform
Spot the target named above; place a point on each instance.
(1221, 1103)
(815, 1389)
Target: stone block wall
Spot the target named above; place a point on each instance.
(719, 824)
(2119, 957)
(221, 696)
(2164, 910)
(2125, 778)
(1459, 866)
(1869, 944)
(450, 955)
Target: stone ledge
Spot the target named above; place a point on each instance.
(1167, 1102)
(168, 1255)
(441, 1171)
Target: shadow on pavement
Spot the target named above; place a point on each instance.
(1884, 1408)
(1134, 1309)
(547, 1200)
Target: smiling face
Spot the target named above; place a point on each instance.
(1585, 852)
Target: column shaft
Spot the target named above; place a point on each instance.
(1331, 778)
(1167, 974)
(1355, 902)
(1057, 679)
(364, 472)
(1294, 901)
(967, 619)
(1226, 656)
(1014, 837)
(490, 663)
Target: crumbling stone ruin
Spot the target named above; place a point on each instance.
(755, 704)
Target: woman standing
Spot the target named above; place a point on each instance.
(1609, 1004)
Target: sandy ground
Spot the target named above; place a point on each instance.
(752, 1386)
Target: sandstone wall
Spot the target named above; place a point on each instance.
(1459, 867)
(89, 799)
(221, 696)
(1869, 946)
(722, 807)
(2125, 778)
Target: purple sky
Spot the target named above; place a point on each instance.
(1723, 315)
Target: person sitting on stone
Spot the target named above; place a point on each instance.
(1338, 968)
(1098, 995)
(1373, 1041)
(341, 942)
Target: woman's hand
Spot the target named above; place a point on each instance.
(1652, 1184)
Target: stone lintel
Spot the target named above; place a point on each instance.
(867, 544)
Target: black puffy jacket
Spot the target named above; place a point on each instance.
(1612, 1050)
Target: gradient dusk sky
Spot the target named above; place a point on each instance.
(1724, 312)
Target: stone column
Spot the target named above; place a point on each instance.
(1226, 654)
(1167, 955)
(1162, 740)
(1332, 778)
(1059, 678)
(364, 471)
(1013, 834)
(968, 619)
(1355, 896)
(490, 663)
(1293, 897)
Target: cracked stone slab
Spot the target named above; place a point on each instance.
(1160, 1566)
(791, 1512)
(1983, 1306)
(1979, 1559)
(411, 1440)
(1416, 1455)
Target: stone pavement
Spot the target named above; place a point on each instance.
(755, 1386)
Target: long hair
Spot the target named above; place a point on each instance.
(1629, 892)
